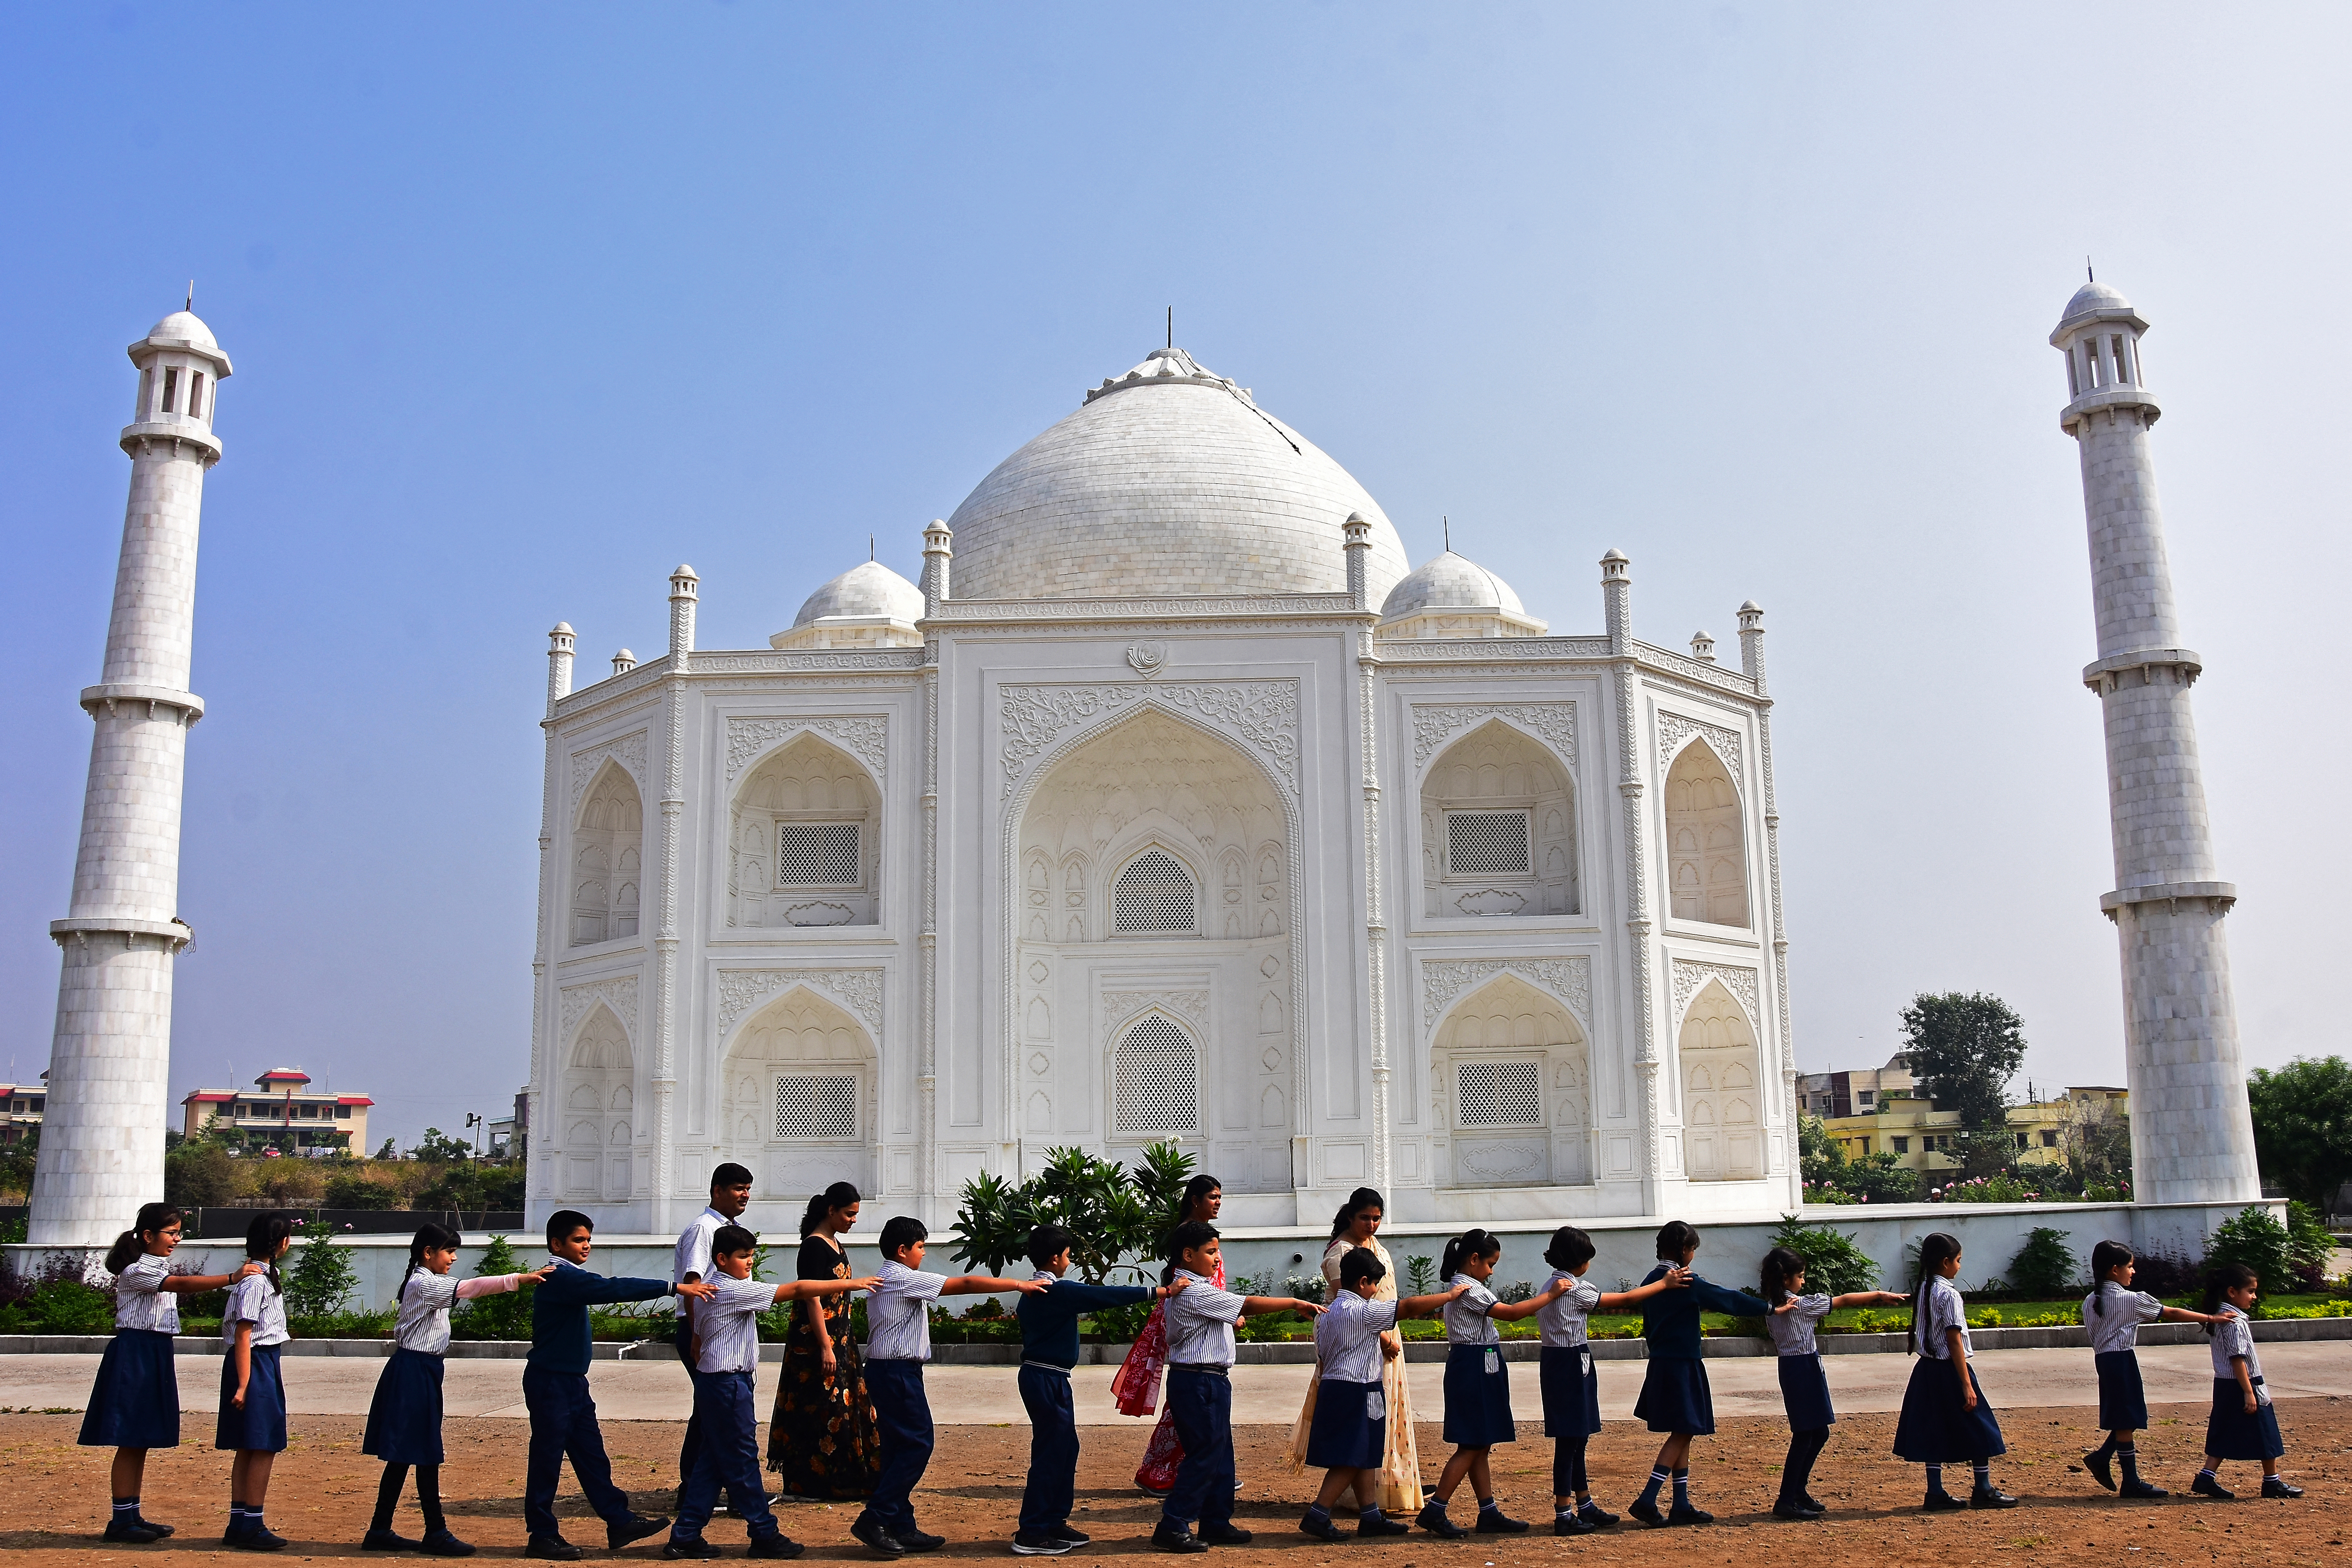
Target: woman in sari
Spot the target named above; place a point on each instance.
(821, 1436)
(1136, 1385)
(1397, 1483)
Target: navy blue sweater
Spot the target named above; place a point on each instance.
(1049, 1318)
(1670, 1318)
(559, 1313)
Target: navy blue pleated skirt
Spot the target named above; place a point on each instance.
(404, 1424)
(260, 1427)
(2123, 1402)
(1478, 1397)
(2231, 1433)
(1675, 1397)
(1571, 1392)
(1935, 1427)
(1805, 1391)
(1351, 1429)
(135, 1403)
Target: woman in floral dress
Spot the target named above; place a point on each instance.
(1137, 1386)
(1398, 1482)
(821, 1437)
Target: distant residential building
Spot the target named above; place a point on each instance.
(1881, 1111)
(510, 1135)
(24, 1103)
(280, 1108)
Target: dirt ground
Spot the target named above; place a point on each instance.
(324, 1489)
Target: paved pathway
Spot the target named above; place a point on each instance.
(982, 1395)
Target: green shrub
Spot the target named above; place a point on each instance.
(59, 1307)
(1834, 1262)
(2258, 1241)
(2311, 1247)
(2045, 1266)
(1420, 1274)
(320, 1278)
(359, 1193)
(1119, 1325)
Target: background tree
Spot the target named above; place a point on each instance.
(438, 1146)
(199, 1173)
(2303, 1128)
(2096, 1138)
(1116, 1214)
(319, 1278)
(1964, 1050)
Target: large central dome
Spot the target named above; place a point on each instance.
(1170, 480)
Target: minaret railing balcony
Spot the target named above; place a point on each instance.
(2107, 398)
(114, 698)
(2105, 675)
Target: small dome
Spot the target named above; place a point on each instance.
(2093, 296)
(1450, 582)
(866, 589)
(183, 327)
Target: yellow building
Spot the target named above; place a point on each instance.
(1880, 1111)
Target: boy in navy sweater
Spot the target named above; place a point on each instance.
(1049, 1348)
(555, 1392)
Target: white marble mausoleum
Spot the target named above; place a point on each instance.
(1171, 804)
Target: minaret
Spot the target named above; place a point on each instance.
(2192, 1138)
(110, 1062)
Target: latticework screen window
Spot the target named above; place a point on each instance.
(1501, 1094)
(815, 854)
(816, 1107)
(1486, 844)
(1157, 1079)
(1153, 893)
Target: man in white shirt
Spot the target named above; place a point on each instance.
(898, 1343)
(730, 1194)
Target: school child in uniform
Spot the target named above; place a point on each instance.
(1049, 1349)
(1572, 1388)
(1945, 1416)
(730, 1194)
(1804, 1391)
(555, 1392)
(1348, 1435)
(2113, 1311)
(135, 1403)
(252, 1421)
(2245, 1425)
(726, 1344)
(1478, 1383)
(1675, 1398)
(404, 1424)
(898, 1343)
(1200, 1320)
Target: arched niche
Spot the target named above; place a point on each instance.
(607, 859)
(1510, 1075)
(799, 1083)
(805, 832)
(596, 1105)
(1707, 845)
(1498, 829)
(1153, 855)
(1723, 1090)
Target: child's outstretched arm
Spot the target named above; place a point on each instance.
(800, 1289)
(2183, 1315)
(497, 1284)
(989, 1285)
(1429, 1306)
(1675, 1279)
(1259, 1306)
(1868, 1298)
(197, 1284)
(1511, 1311)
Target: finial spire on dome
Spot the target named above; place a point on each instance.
(190, 305)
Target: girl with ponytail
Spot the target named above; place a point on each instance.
(1675, 1397)
(2113, 1311)
(404, 1424)
(252, 1422)
(135, 1403)
(2244, 1424)
(1135, 1387)
(1945, 1416)
(821, 1440)
(1804, 1391)
(1478, 1382)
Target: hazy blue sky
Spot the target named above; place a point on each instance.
(528, 305)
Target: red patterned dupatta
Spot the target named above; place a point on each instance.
(1136, 1388)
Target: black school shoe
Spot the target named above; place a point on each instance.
(875, 1538)
(256, 1538)
(1039, 1543)
(1789, 1508)
(693, 1547)
(919, 1541)
(441, 1543)
(1941, 1501)
(636, 1527)
(1593, 1514)
(1566, 1522)
(1317, 1523)
(143, 1522)
(1377, 1524)
(129, 1532)
(1684, 1513)
(1225, 1534)
(1432, 1517)
(1075, 1537)
(2203, 1487)
(2142, 1488)
(1494, 1521)
(1990, 1497)
(1646, 1510)
(387, 1540)
(552, 1549)
(1176, 1538)
(2280, 1487)
(2102, 1468)
(777, 1545)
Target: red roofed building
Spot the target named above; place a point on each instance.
(280, 1110)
